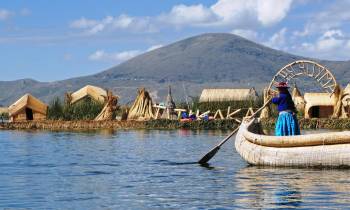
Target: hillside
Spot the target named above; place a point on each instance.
(208, 60)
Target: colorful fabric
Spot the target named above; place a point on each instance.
(287, 124)
(284, 102)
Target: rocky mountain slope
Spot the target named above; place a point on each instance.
(208, 60)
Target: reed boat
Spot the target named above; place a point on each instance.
(330, 149)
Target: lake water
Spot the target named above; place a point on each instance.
(143, 169)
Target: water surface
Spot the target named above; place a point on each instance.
(144, 169)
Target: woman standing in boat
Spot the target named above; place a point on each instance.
(287, 122)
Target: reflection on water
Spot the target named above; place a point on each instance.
(151, 169)
(291, 188)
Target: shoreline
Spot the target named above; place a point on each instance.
(58, 125)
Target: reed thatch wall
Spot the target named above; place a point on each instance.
(215, 95)
(325, 102)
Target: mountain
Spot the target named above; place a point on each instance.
(208, 60)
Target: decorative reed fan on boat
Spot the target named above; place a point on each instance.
(109, 108)
(142, 109)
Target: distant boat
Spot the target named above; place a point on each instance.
(330, 149)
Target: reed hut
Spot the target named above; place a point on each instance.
(142, 108)
(27, 108)
(298, 99)
(95, 93)
(319, 105)
(218, 95)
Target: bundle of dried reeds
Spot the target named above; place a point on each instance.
(298, 99)
(265, 113)
(142, 109)
(338, 92)
(109, 108)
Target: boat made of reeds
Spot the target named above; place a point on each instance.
(330, 149)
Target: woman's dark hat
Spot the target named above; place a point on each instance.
(282, 85)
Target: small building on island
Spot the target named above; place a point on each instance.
(319, 105)
(27, 108)
(95, 93)
(218, 95)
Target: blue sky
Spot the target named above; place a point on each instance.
(54, 40)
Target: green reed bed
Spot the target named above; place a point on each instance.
(86, 109)
(198, 124)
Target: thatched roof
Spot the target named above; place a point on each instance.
(319, 99)
(94, 92)
(4, 110)
(211, 95)
(28, 101)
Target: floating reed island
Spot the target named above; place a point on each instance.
(93, 107)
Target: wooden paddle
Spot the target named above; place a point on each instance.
(213, 151)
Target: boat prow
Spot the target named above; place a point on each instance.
(312, 150)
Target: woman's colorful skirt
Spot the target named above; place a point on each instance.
(287, 124)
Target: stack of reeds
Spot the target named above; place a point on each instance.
(109, 107)
(142, 109)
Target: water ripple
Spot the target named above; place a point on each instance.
(152, 170)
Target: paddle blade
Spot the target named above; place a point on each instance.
(209, 155)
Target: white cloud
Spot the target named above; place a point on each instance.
(278, 40)
(83, 23)
(328, 44)
(248, 34)
(332, 44)
(154, 47)
(272, 11)
(242, 12)
(332, 33)
(330, 40)
(239, 12)
(101, 55)
(5, 14)
(188, 15)
(335, 15)
(122, 22)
